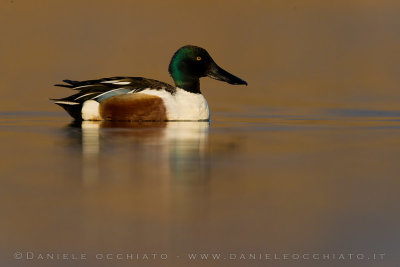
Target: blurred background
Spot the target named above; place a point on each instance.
(292, 53)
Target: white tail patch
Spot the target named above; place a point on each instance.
(66, 103)
(85, 95)
(117, 82)
(123, 83)
(82, 86)
(90, 111)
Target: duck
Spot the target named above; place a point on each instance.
(142, 99)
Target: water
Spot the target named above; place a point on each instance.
(255, 181)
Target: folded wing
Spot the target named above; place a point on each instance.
(102, 89)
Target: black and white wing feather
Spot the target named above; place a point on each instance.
(104, 88)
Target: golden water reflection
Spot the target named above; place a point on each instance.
(277, 183)
(178, 149)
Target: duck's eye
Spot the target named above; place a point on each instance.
(198, 58)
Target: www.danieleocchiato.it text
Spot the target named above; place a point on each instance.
(51, 256)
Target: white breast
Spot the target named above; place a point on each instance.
(183, 105)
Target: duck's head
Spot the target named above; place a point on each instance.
(190, 63)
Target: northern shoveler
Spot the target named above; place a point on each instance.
(141, 99)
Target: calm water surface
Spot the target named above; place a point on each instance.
(251, 181)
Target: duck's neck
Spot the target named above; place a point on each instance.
(183, 76)
(190, 84)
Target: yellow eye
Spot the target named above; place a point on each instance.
(198, 58)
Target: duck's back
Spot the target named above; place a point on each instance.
(132, 99)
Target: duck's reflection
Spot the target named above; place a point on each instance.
(175, 150)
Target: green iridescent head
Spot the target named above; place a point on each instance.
(190, 63)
